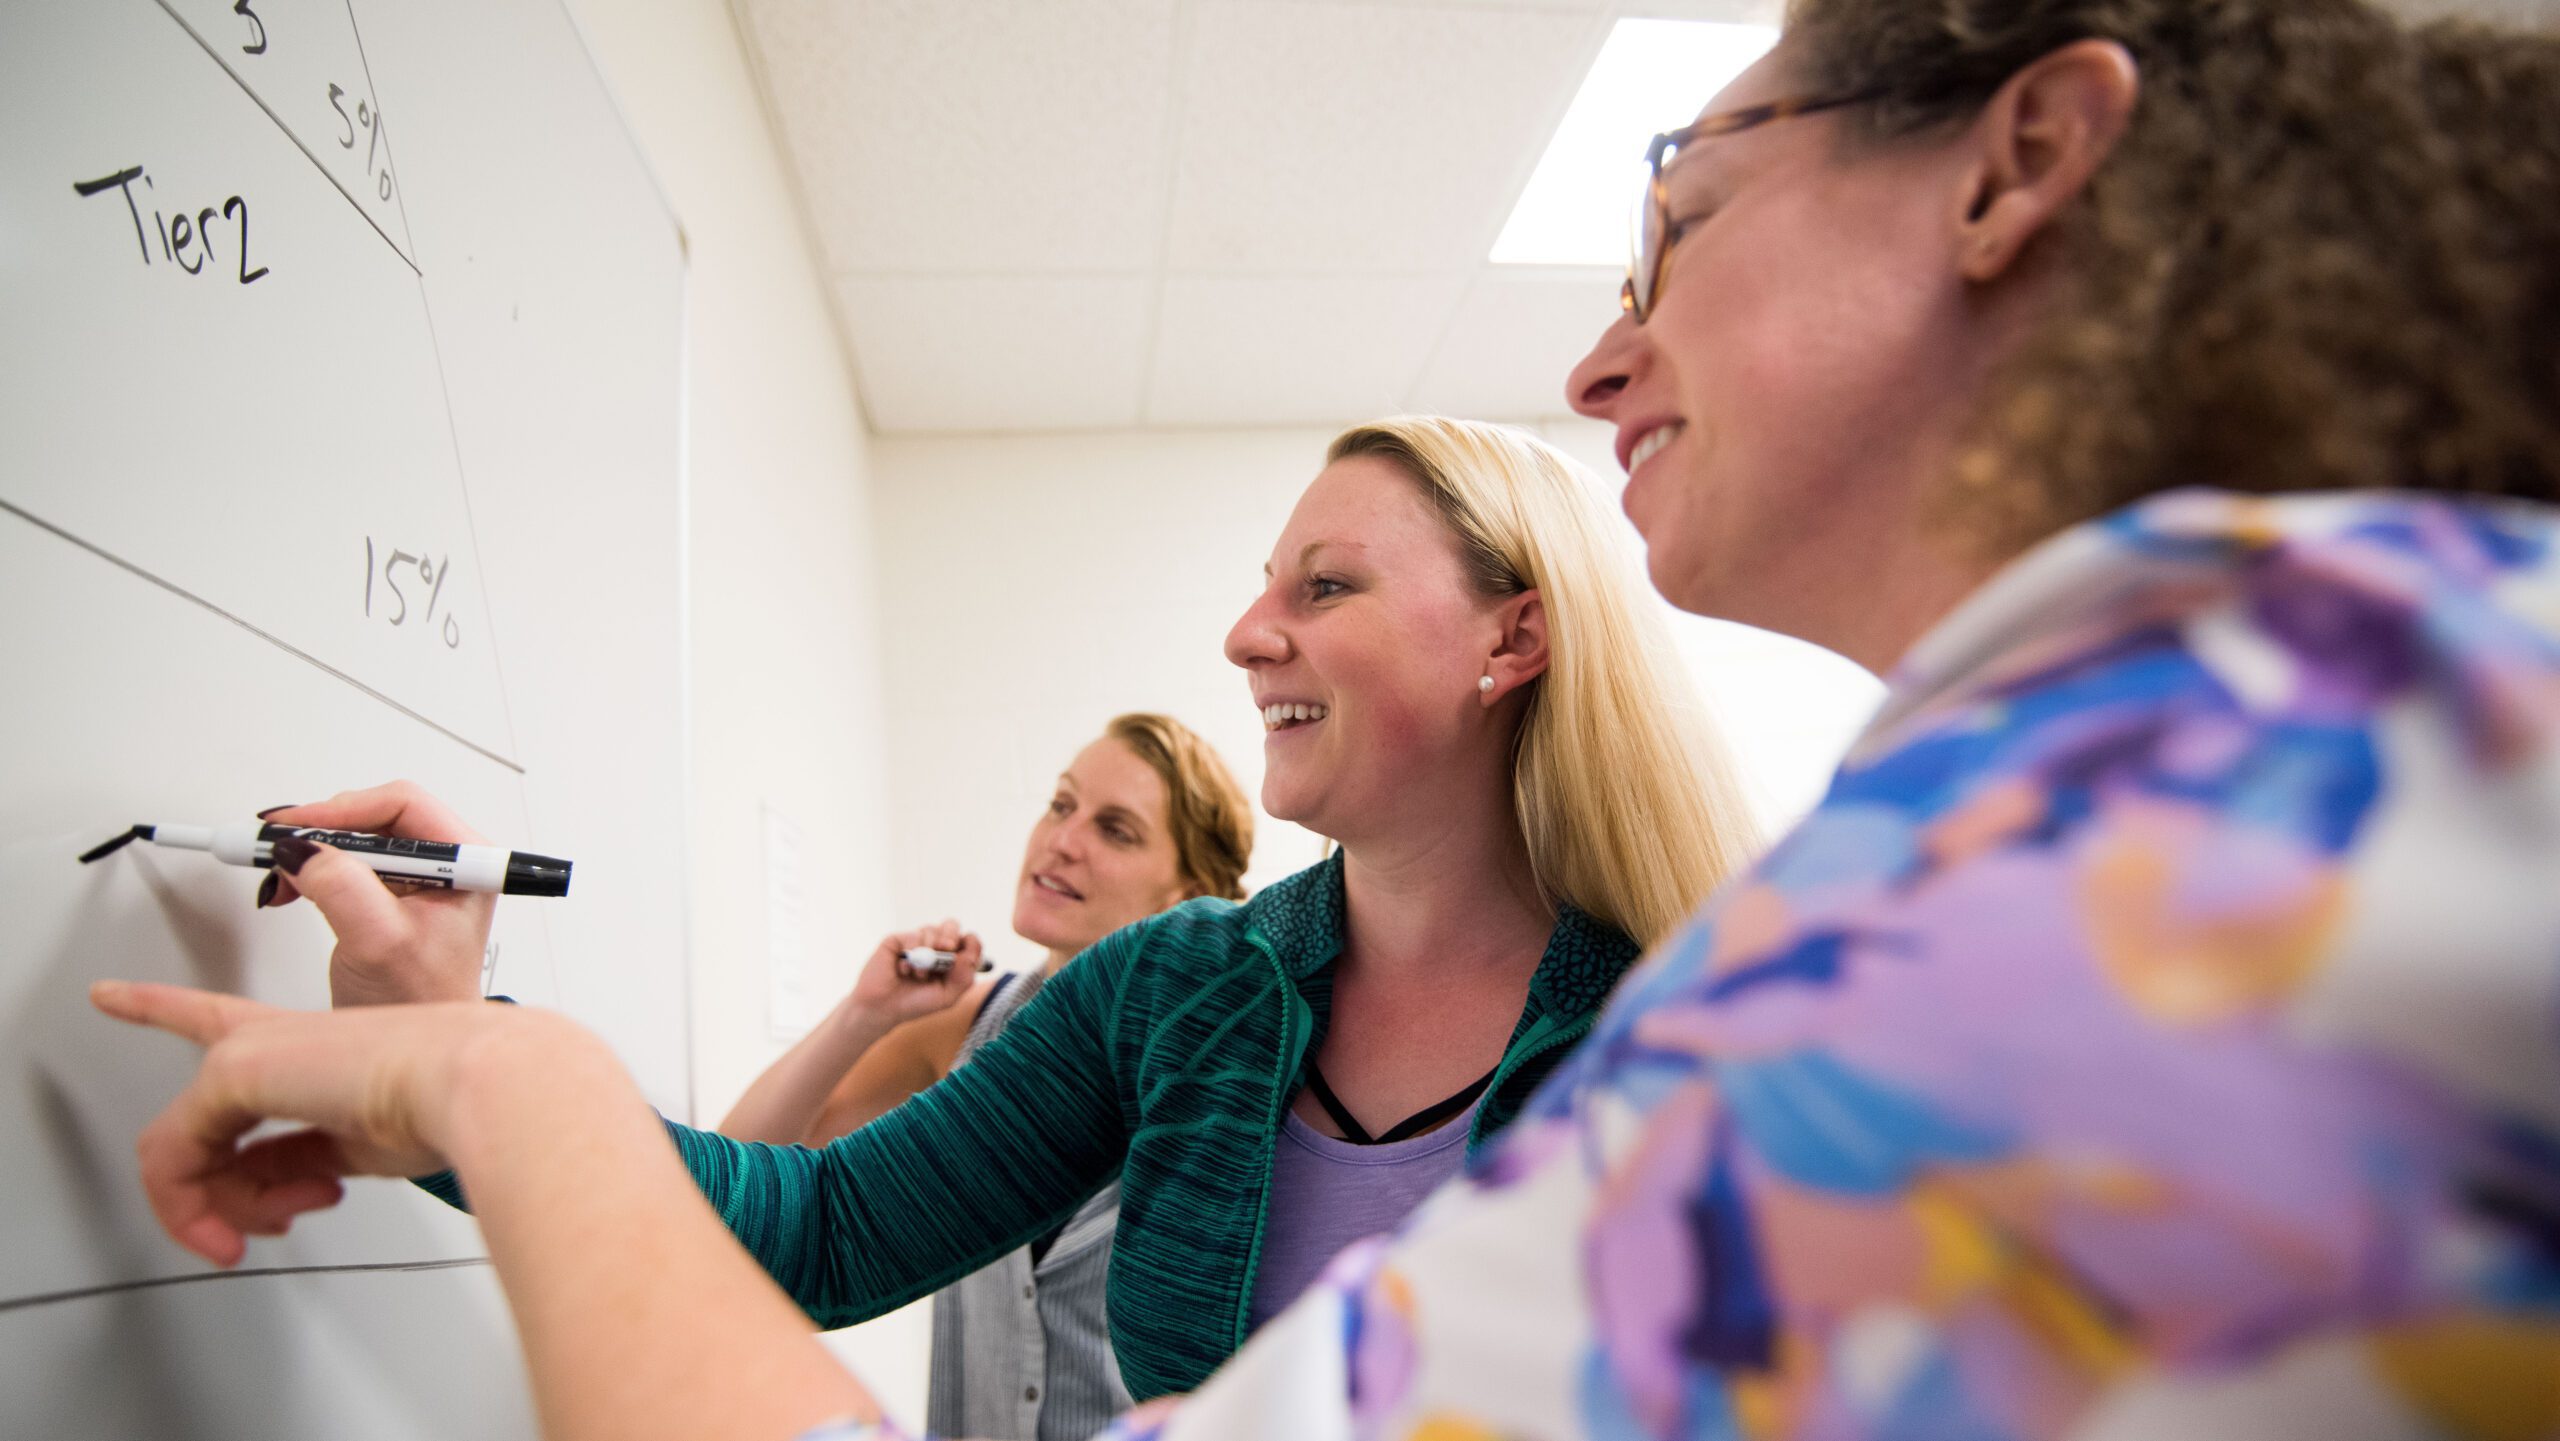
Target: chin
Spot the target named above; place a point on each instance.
(1680, 590)
(1031, 929)
(1689, 583)
(1279, 802)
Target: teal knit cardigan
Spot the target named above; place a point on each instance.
(1165, 1055)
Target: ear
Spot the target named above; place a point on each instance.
(1519, 654)
(2040, 140)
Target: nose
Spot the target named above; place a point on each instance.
(1257, 638)
(1066, 842)
(1616, 359)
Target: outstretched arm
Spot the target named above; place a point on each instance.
(977, 1165)
(557, 1147)
(970, 1168)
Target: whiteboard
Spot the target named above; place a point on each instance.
(342, 442)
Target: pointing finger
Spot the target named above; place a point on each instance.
(203, 1017)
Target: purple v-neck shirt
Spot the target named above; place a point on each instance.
(1327, 1193)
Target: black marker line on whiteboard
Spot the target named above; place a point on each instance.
(244, 1273)
(270, 637)
(365, 62)
(325, 172)
(438, 865)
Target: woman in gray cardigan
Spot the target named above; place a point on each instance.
(1144, 817)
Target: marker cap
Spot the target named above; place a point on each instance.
(532, 875)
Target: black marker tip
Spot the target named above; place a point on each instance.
(107, 848)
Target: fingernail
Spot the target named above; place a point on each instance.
(106, 993)
(267, 891)
(291, 852)
(986, 965)
(271, 810)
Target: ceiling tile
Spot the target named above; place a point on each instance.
(1514, 338)
(967, 135)
(1325, 136)
(1273, 350)
(935, 353)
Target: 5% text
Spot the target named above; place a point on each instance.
(368, 119)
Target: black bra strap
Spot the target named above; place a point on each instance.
(1351, 1128)
(1411, 1126)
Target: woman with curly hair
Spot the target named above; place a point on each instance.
(2156, 1029)
(1144, 817)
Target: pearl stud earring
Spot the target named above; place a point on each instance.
(1484, 683)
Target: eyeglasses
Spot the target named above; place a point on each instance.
(1652, 246)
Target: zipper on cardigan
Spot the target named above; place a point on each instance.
(1572, 1034)
(1285, 991)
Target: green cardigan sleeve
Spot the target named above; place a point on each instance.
(998, 1152)
(993, 1155)
(1002, 1150)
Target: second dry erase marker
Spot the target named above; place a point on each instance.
(443, 864)
(933, 961)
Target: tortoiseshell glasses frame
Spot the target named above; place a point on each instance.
(1650, 253)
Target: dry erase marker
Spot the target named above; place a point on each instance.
(928, 960)
(932, 962)
(442, 865)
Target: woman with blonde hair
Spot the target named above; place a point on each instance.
(1615, 711)
(1463, 684)
(1462, 689)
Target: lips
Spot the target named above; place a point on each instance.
(1042, 880)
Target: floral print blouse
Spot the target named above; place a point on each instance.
(2155, 1032)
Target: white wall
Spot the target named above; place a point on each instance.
(783, 613)
(1037, 585)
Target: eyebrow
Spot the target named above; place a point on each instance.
(1307, 552)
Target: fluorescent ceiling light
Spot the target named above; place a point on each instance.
(1652, 76)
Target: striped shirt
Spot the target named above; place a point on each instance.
(1021, 1347)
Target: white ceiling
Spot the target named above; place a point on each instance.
(1091, 214)
(1097, 214)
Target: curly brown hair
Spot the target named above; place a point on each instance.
(1211, 821)
(2325, 254)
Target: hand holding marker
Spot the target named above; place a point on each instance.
(440, 865)
(925, 960)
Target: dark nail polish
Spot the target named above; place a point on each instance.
(271, 810)
(291, 852)
(985, 964)
(267, 891)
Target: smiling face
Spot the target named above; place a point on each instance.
(1804, 369)
(1364, 650)
(1101, 856)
